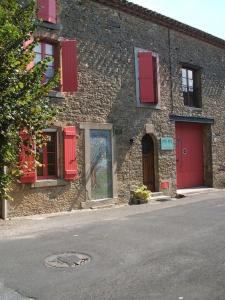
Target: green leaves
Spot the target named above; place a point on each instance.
(24, 101)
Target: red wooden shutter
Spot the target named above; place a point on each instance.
(27, 159)
(146, 77)
(70, 161)
(25, 45)
(47, 10)
(69, 65)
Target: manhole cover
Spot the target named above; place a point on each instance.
(67, 260)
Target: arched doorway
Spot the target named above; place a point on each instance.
(148, 162)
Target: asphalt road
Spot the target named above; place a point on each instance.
(166, 251)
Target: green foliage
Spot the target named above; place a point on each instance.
(23, 96)
(140, 194)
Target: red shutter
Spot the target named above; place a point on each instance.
(69, 65)
(25, 45)
(146, 77)
(70, 161)
(27, 159)
(47, 10)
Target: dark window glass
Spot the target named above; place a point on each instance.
(190, 87)
(48, 157)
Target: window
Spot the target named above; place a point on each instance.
(57, 141)
(191, 87)
(63, 54)
(147, 78)
(43, 50)
(48, 157)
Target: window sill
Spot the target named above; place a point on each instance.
(51, 26)
(192, 108)
(149, 106)
(56, 95)
(48, 183)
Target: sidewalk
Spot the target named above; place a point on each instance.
(40, 223)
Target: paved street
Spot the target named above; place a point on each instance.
(166, 251)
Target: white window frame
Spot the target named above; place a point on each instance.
(138, 101)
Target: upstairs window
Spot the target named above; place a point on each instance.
(146, 77)
(64, 56)
(191, 87)
(47, 10)
(43, 50)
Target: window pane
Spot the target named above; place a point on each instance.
(51, 62)
(101, 164)
(191, 85)
(184, 88)
(184, 73)
(49, 73)
(51, 154)
(48, 49)
(48, 156)
(51, 170)
(37, 48)
(190, 74)
(51, 158)
(37, 58)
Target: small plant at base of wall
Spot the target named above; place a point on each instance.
(140, 195)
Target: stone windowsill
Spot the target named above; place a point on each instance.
(149, 106)
(49, 183)
(193, 109)
(57, 95)
(50, 26)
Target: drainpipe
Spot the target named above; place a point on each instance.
(170, 70)
(4, 205)
(4, 210)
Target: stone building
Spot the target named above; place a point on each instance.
(147, 107)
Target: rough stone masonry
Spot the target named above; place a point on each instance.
(107, 35)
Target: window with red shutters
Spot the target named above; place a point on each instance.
(48, 157)
(147, 77)
(63, 57)
(47, 10)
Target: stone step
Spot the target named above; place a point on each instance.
(160, 198)
(156, 194)
(98, 204)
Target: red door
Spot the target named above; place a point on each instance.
(189, 155)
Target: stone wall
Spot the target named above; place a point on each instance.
(106, 40)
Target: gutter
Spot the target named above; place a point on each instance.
(4, 210)
(4, 205)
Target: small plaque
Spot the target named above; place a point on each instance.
(167, 143)
(117, 131)
(149, 128)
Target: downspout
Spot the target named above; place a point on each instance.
(4, 205)
(170, 71)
